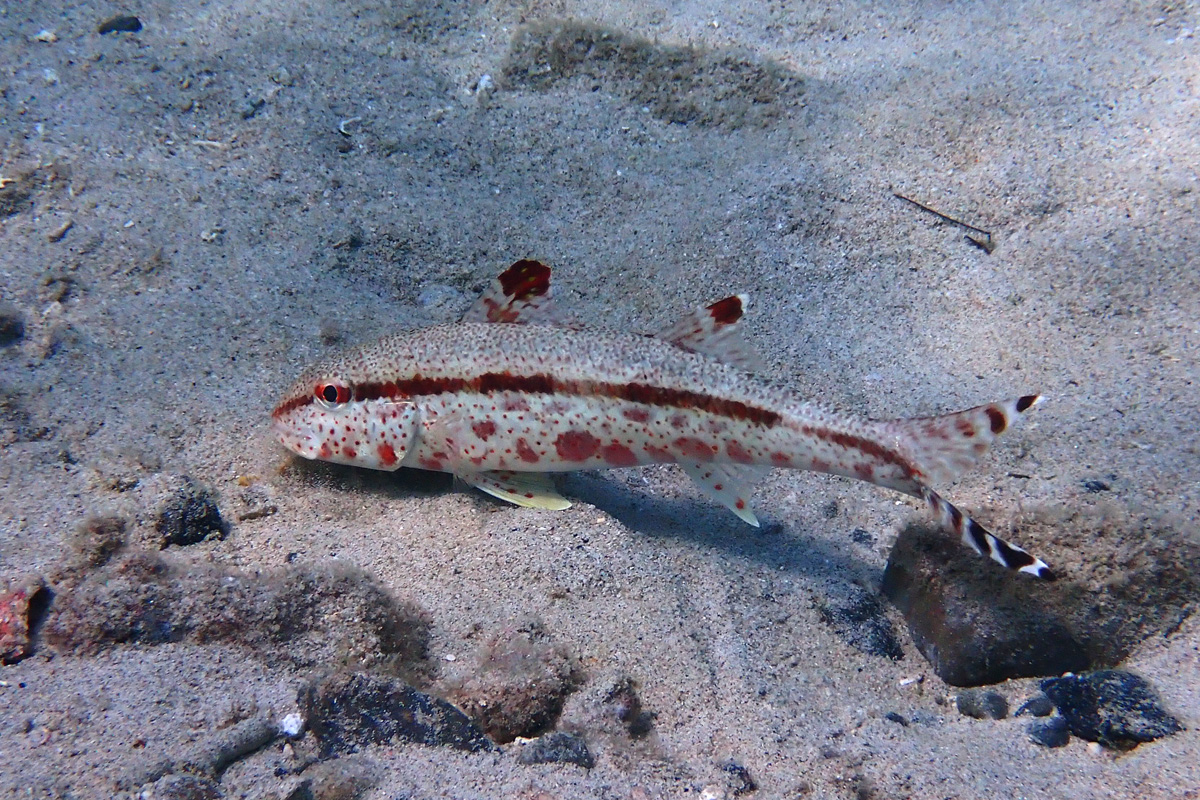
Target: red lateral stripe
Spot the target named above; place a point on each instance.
(866, 446)
(291, 405)
(492, 382)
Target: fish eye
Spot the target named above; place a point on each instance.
(333, 394)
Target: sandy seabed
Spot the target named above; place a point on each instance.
(224, 233)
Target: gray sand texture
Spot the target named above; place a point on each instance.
(195, 211)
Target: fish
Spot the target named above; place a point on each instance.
(515, 391)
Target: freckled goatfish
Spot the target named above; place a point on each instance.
(513, 392)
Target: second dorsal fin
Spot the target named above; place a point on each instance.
(519, 294)
(713, 331)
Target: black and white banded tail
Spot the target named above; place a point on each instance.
(982, 541)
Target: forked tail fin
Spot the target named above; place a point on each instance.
(943, 448)
(979, 539)
(946, 446)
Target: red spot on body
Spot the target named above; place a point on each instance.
(636, 414)
(820, 465)
(741, 504)
(477, 460)
(350, 452)
(965, 427)
(576, 445)
(431, 463)
(864, 472)
(618, 455)
(387, 454)
(782, 459)
(679, 420)
(693, 448)
(326, 452)
(484, 429)
(727, 311)
(997, 420)
(527, 453)
(739, 453)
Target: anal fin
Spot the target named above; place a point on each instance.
(728, 484)
(525, 489)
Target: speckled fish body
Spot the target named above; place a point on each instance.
(499, 404)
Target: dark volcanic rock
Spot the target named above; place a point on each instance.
(348, 711)
(557, 747)
(982, 704)
(859, 619)
(190, 516)
(1115, 708)
(1125, 577)
(974, 622)
(1052, 732)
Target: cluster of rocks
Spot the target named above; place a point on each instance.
(1114, 708)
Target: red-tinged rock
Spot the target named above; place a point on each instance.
(19, 606)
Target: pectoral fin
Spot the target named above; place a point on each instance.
(728, 484)
(526, 489)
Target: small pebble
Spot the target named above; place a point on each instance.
(899, 719)
(982, 704)
(862, 536)
(741, 782)
(120, 24)
(191, 516)
(250, 106)
(292, 724)
(557, 747)
(1094, 487)
(1052, 732)
(12, 324)
(1039, 706)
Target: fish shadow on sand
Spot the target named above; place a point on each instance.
(691, 519)
(697, 520)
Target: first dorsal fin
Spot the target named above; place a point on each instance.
(713, 331)
(519, 294)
